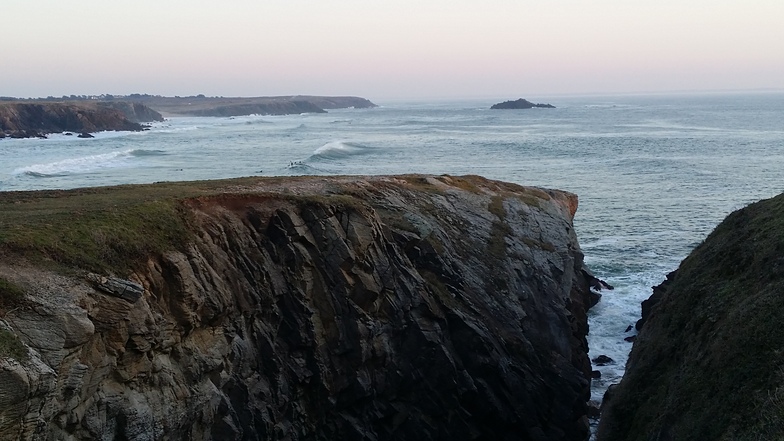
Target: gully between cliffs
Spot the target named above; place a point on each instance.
(383, 308)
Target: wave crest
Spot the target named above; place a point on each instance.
(340, 149)
(84, 164)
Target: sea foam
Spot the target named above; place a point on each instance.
(85, 164)
(340, 149)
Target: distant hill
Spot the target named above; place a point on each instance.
(520, 104)
(201, 105)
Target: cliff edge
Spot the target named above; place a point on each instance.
(356, 308)
(708, 363)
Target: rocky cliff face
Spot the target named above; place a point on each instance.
(708, 363)
(404, 308)
(135, 112)
(37, 119)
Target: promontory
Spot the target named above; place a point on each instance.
(315, 308)
(708, 363)
(26, 119)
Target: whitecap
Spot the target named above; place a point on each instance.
(340, 149)
(83, 164)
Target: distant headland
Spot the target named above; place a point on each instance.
(37, 117)
(520, 104)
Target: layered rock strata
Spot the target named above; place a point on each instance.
(384, 308)
(708, 363)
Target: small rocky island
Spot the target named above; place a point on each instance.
(520, 104)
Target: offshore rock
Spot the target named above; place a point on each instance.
(707, 363)
(383, 308)
(520, 104)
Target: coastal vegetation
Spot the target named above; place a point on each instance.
(708, 361)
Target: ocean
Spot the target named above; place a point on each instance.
(654, 174)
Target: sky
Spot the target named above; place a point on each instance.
(385, 50)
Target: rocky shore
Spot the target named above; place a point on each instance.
(373, 308)
(38, 118)
(30, 120)
(707, 363)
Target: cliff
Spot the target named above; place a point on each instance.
(520, 104)
(356, 308)
(135, 112)
(23, 120)
(707, 364)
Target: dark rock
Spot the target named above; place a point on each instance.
(28, 120)
(135, 112)
(603, 360)
(68, 134)
(520, 104)
(124, 289)
(708, 363)
(629, 328)
(649, 304)
(594, 409)
(630, 338)
(85, 135)
(596, 374)
(383, 308)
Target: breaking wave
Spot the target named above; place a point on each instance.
(85, 164)
(340, 149)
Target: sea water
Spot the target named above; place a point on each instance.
(654, 174)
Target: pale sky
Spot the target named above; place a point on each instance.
(379, 49)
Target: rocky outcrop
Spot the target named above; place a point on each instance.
(135, 112)
(24, 120)
(707, 363)
(384, 308)
(520, 104)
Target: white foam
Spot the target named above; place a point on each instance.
(340, 149)
(84, 164)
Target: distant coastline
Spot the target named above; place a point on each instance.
(37, 117)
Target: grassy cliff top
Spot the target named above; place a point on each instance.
(118, 227)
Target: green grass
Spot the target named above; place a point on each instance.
(99, 229)
(10, 346)
(709, 365)
(11, 294)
